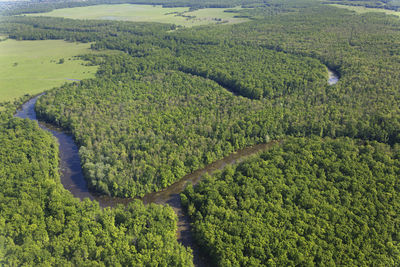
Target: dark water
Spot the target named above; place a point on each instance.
(333, 77)
(73, 180)
(70, 165)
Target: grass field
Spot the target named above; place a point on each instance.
(213, 15)
(147, 13)
(31, 67)
(361, 9)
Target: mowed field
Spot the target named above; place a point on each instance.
(31, 67)
(361, 9)
(148, 13)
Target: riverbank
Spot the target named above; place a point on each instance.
(73, 179)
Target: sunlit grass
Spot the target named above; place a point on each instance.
(361, 9)
(148, 13)
(31, 67)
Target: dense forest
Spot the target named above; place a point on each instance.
(294, 99)
(385, 4)
(141, 136)
(170, 101)
(47, 6)
(42, 224)
(254, 72)
(310, 201)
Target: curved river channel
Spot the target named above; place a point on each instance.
(73, 180)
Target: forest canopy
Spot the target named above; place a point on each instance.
(163, 105)
(43, 224)
(141, 136)
(309, 201)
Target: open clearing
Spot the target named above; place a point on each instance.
(148, 13)
(31, 67)
(361, 9)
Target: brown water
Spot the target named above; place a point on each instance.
(73, 180)
(70, 165)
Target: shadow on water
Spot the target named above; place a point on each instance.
(73, 180)
(70, 166)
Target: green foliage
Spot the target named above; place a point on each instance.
(30, 67)
(306, 202)
(364, 103)
(41, 224)
(384, 4)
(36, 7)
(138, 136)
(268, 58)
(254, 72)
(143, 123)
(180, 16)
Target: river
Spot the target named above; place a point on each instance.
(73, 180)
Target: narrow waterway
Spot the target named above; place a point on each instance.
(73, 180)
(70, 165)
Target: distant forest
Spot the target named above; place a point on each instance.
(39, 7)
(385, 4)
(47, 6)
(170, 101)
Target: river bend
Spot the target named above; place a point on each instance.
(73, 180)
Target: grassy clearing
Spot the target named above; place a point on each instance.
(31, 67)
(361, 9)
(147, 13)
(213, 15)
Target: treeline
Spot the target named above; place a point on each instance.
(385, 4)
(143, 123)
(254, 72)
(40, 7)
(38, 28)
(364, 104)
(295, 98)
(309, 201)
(139, 136)
(42, 224)
(242, 123)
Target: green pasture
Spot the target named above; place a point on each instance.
(213, 15)
(147, 13)
(361, 9)
(31, 67)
